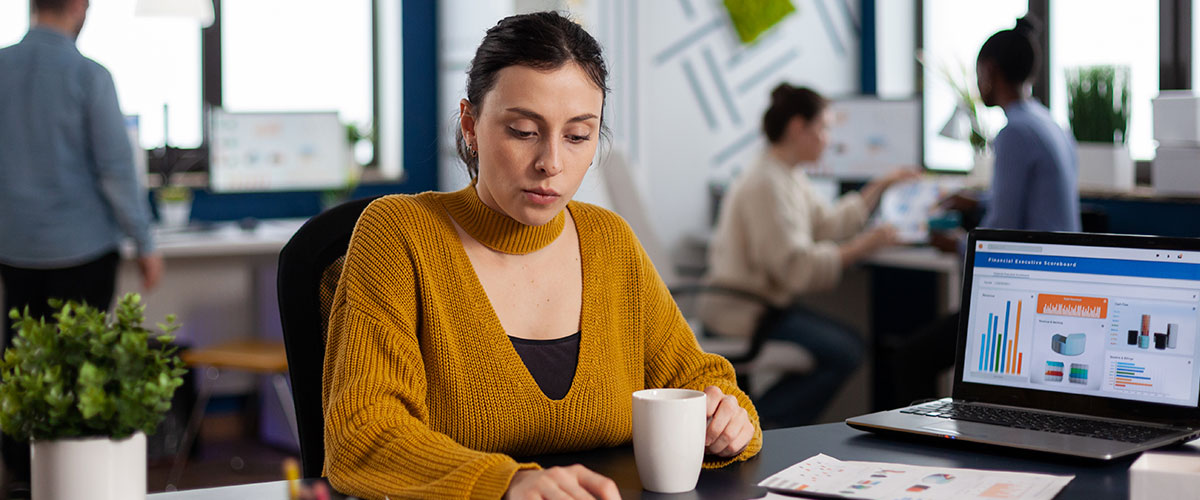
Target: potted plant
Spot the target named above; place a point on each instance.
(966, 122)
(85, 387)
(356, 136)
(1098, 110)
(174, 206)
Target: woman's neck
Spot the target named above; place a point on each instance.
(786, 154)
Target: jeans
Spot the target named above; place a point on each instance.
(798, 399)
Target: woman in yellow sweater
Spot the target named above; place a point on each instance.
(504, 319)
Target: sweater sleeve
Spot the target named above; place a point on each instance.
(377, 441)
(841, 220)
(784, 237)
(674, 359)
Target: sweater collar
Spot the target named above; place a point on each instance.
(497, 231)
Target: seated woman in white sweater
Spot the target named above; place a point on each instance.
(777, 238)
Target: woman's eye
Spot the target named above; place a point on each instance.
(579, 138)
(521, 133)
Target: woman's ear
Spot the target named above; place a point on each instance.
(466, 120)
(796, 127)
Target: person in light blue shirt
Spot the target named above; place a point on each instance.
(1034, 187)
(69, 191)
(1035, 177)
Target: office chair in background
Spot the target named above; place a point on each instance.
(309, 267)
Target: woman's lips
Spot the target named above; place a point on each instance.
(541, 196)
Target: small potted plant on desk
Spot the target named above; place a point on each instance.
(85, 387)
(1098, 110)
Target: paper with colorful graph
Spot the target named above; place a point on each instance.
(825, 476)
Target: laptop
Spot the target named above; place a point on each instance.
(1070, 343)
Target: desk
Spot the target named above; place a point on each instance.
(784, 447)
(220, 283)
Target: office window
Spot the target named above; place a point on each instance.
(953, 33)
(299, 55)
(14, 21)
(154, 61)
(1091, 32)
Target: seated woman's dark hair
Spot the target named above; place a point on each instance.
(788, 102)
(1015, 51)
(541, 40)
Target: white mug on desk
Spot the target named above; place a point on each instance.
(668, 438)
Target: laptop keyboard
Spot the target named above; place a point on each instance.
(1020, 419)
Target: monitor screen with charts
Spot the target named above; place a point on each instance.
(277, 152)
(1114, 322)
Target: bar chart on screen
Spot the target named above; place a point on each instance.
(1149, 376)
(1001, 332)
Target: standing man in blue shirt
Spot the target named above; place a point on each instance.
(1034, 187)
(68, 188)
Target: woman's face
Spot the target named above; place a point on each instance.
(985, 71)
(811, 137)
(535, 136)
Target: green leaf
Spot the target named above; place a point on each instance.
(82, 372)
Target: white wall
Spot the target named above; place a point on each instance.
(688, 97)
(679, 136)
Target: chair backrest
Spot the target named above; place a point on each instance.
(309, 268)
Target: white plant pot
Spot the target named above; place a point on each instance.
(1105, 166)
(93, 468)
(174, 214)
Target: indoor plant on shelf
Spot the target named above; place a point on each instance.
(85, 387)
(1098, 110)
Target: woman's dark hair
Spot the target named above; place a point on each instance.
(48, 5)
(1015, 51)
(541, 40)
(788, 102)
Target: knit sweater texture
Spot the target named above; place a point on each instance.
(425, 397)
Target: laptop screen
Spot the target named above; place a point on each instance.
(1103, 321)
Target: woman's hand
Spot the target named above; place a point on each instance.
(874, 189)
(574, 482)
(867, 243)
(729, 426)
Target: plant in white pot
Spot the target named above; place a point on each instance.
(85, 387)
(1098, 109)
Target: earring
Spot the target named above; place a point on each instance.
(471, 150)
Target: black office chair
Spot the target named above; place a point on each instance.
(309, 268)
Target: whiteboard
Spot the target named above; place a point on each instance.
(869, 136)
(277, 152)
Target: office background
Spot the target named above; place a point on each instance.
(685, 104)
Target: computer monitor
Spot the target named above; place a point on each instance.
(870, 136)
(277, 151)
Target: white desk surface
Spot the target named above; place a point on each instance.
(224, 239)
(254, 491)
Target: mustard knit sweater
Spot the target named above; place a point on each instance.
(424, 395)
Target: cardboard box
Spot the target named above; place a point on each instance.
(1176, 118)
(1176, 170)
(1159, 475)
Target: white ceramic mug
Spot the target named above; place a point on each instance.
(668, 438)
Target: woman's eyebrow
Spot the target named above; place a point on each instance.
(536, 116)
